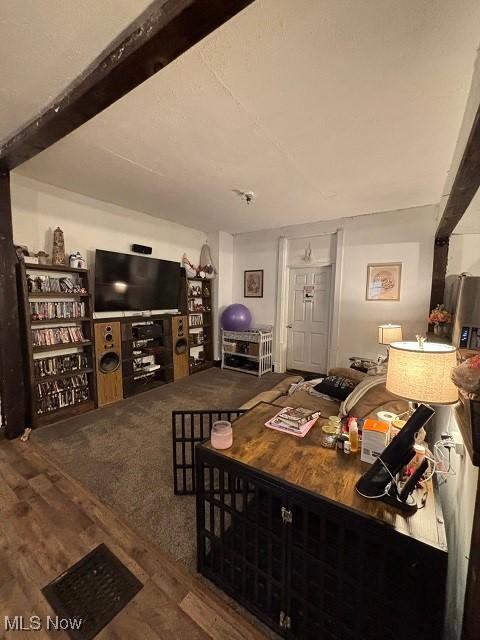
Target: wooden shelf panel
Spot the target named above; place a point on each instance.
(53, 267)
(63, 345)
(56, 294)
(241, 355)
(242, 369)
(60, 321)
(61, 376)
(65, 412)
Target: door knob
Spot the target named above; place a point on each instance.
(289, 326)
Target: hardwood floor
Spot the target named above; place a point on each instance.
(48, 522)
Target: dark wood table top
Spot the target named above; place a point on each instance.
(328, 473)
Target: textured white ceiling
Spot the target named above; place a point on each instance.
(324, 108)
(45, 44)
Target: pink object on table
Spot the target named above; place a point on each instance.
(299, 434)
(221, 436)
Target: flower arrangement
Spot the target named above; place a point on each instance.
(439, 315)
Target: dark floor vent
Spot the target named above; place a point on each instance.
(93, 590)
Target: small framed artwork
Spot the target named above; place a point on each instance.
(383, 281)
(253, 284)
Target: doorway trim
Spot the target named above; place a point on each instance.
(281, 315)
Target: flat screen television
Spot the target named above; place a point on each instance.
(125, 282)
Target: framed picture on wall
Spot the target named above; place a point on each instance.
(253, 284)
(383, 281)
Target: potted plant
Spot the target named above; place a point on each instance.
(441, 319)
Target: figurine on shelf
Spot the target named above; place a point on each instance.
(39, 283)
(29, 283)
(190, 270)
(76, 261)
(42, 257)
(58, 251)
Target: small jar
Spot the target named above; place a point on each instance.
(341, 440)
(396, 427)
(328, 439)
(336, 422)
(221, 436)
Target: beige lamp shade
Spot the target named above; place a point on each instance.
(422, 374)
(388, 333)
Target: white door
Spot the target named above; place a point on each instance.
(308, 318)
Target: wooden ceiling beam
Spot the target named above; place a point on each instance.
(12, 385)
(465, 185)
(161, 34)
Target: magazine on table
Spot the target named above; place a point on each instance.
(297, 428)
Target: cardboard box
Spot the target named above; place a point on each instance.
(374, 440)
(253, 349)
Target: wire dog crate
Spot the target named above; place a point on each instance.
(188, 429)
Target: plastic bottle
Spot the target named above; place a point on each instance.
(353, 435)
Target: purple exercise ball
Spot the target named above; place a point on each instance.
(236, 317)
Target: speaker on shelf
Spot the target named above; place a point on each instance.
(180, 347)
(108, 357)
(141, 248)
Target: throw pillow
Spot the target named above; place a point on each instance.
(336, 387)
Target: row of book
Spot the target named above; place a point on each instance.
(64, 384)
(52, 310)
(65, 398)
(57, 335)
(297, 421)
(56, 365)
(49, 284)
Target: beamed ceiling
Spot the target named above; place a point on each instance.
(324, 108)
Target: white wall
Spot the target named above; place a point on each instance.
(464, 254)
(221, 246)
(37, 208)
(457, 496)
(398, 236)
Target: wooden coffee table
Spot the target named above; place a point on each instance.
(281, 528)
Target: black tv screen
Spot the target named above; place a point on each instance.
(125, 282)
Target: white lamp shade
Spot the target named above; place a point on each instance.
(388, 333)
(422, 375)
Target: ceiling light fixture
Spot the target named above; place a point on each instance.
(248, 196)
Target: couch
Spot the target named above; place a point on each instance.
(369, 396)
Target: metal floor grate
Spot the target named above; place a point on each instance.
(93, 590)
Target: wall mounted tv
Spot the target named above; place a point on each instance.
(125, 282)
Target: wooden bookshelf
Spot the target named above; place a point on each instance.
(68, 386)
(199, 293)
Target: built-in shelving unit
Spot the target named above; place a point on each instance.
(247, 351)
(199, 305)
(146, 361)
(58, 347)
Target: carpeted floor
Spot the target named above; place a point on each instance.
(122, 453)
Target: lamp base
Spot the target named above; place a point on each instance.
(393, 501)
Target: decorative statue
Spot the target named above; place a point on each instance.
(58, 251)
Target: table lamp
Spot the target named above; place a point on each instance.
(388, 333)
(420, 372)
